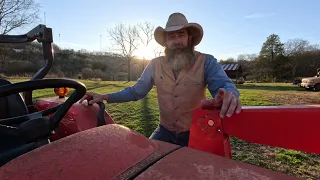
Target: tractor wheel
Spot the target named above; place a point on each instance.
(317, 87)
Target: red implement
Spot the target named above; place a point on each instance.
(290, 127)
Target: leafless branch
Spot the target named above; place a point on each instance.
(17, 13)
(157, 52)
(126, 38)
(147, 29)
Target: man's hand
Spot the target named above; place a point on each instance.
(228, 103)
(94, 97)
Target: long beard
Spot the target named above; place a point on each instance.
(180, 58)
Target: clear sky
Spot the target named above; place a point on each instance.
(230, 27)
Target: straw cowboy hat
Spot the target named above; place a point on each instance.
(176, 22)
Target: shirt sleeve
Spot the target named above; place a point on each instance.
(139, 90)
(216, 77)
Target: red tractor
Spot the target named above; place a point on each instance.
(58, 138)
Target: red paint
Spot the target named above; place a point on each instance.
(291, 127)
(99, 153)
(209, 138)
(116, 152)
(80, 117)
(187, 163)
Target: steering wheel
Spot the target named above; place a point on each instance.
(36, 125)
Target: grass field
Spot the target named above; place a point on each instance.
(142, 116)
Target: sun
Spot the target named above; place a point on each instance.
(145, 53)
(149, 52)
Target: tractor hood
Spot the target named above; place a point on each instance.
(116, 152)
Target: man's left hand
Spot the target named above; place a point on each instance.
(227, 101)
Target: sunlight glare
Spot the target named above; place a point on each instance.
(148, 53)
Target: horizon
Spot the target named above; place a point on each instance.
(230, 28)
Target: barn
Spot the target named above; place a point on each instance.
(234, 71)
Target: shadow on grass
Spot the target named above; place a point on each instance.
(148, 118)
(269, 87)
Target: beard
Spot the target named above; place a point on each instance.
(180, 57)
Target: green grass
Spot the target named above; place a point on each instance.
(143, 117)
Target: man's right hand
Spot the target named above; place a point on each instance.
(94, 97)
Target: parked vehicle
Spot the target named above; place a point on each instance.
(311, 83)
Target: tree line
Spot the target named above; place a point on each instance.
(279, 62)
(276, 61)
(26, 59)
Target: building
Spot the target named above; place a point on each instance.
(234, 71)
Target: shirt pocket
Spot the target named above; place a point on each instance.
(163, 79)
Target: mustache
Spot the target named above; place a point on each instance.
(177, 49)
(178, 46)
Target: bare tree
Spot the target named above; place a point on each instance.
(147, 29)
(17, 13)
(127, 38)
(294, 49)
(126, 41)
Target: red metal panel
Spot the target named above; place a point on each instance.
(206, 133)
(106, 152)
(291, 127)
(187, 163)
(80, 117)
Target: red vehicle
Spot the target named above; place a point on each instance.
(58, 138)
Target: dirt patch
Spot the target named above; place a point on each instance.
(294, 98)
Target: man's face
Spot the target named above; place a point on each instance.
(177, 39)
(178, 50)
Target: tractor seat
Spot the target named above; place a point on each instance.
(10, 106)
(13, 105)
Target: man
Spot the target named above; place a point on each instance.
(180, 77)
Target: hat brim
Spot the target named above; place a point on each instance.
(195, 30)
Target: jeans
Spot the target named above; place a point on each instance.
(163, 134)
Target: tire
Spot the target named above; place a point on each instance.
(317, 87)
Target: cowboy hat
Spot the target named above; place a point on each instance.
(176, 22)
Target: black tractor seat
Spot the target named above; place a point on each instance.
(10, 106)
(13, 105)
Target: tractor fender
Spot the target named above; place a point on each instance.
(80, 117)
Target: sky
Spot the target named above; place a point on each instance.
(231, 27)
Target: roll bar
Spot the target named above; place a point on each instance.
(43, 35)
